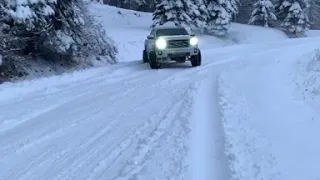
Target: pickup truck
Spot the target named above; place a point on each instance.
(171, 44)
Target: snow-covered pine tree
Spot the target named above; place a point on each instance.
(314, 13)
(263, 13)
(60, 30)
(22, 24)
(179, 12)
(24, 18)
(200, 13)
(293, 15)
(220, 14)
(77, 35)
(25, 11)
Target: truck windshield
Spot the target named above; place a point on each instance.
(171, 32)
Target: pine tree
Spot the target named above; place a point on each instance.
(293, 15)
(314, 13)
(200, 13)
(136, 4)
(23, 22)
(76, 34)
(220, 14)
(178, 12)
(32, 14)
(263, 13)
(58, 30)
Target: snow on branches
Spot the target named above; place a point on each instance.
(263, 13)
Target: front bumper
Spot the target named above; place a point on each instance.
(177, 52)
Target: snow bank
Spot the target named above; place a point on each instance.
(248, 152)
(307, 79)
(270, 130)
(113, 17)
(313, 33)
(127, 28)
(248, 34)
(55, 83)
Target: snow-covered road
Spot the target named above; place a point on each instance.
(135, 124)
(128, 122)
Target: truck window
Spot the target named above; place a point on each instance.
(171, 32)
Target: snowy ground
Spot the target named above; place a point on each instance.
(313, 33)
(269, 106)
(130, 122)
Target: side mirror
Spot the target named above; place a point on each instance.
(150, 37)
(192, 34)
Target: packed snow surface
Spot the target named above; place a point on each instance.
(249, 112)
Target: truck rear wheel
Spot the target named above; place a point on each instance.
(196, 59)
(153, 61)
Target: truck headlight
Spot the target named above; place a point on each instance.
(193, 41)
(161, 43)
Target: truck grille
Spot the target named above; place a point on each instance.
(178, 43)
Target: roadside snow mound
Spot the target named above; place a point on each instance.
(52, 84)
(248, 152)
(308, 78)
(126, 27)
(270, 129)
(249, 34)
(313, 33)
(113, 17)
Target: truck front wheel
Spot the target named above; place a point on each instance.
(196, 59)
(153, 61)
(145, 56)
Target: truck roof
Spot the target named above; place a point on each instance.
(169, 27)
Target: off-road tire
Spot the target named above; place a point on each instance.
(153, 61)
(145, 56)
(196, 59)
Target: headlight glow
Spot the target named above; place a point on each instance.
(193, 41)
(161, 44)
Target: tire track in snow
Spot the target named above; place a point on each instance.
(104, 72)
(135, 164)
(114, 155)
(154, 127)
(207, 158)
(59, 95)
(83, 149)
(47, 134)
(173, 126)
(103, 149)
(149, 99)
(85, 96)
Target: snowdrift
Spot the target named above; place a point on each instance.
(248, 34)
(269, 110)
(307, 79)
(313, 33)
